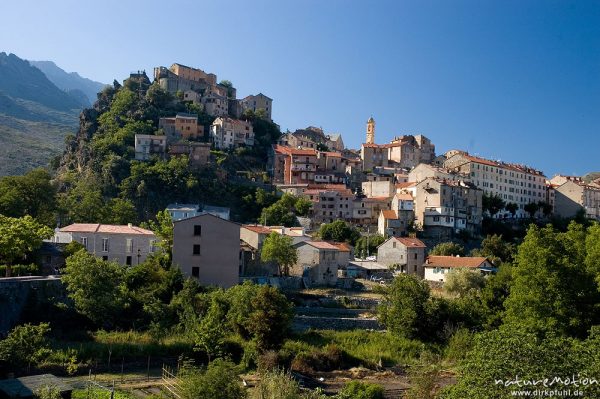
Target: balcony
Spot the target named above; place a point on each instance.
(438, 211)
(304, 168)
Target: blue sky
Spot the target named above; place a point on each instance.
(511, 80)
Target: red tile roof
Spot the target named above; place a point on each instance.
(332, 154)
(389, 214)
(411, 242)
(104, 228)
(404, 196)
(406, 184)
(341, 246)
(455, 261)
(321, 245)
(257, 228)
(293, 151)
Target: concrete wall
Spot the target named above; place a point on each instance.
(219, 240)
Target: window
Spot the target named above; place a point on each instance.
(415, 257)
(394, 244)
(196, 250)
(197, 230)
(105, 258)
(152, 246)
(84, 242)
(129, 245)
(128, 260)
(105, 245)
(195, 271)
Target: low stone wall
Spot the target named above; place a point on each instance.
(302, 323)
(17, 291)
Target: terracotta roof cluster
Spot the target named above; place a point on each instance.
(104, 228)
(257, 228)
(455, 261)
(280, 149)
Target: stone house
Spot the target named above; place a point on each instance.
(317, 263)
(128, 245)
(147, 145)
(407, 253)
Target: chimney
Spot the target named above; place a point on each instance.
(129, 225)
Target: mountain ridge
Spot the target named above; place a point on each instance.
(70, 81)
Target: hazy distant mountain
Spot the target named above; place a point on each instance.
(35, 115)
(69, 81)
(591, 176)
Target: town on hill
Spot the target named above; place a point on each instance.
(183, 215)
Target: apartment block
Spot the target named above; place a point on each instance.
(330, 204)
(513, 183)
(292, 166)
(447, 206)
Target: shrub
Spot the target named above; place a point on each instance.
(361, 390)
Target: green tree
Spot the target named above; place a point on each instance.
(512, 208)
(552, 290)
(84, 203)
(492, 204)
(366, 246)
(462, 282)
(270, 319)
(496, 249)
(447, 249)
(404, 306)
(545, 207)
(506, 355)
(219, 380)
(531, 209)
(210, 334)
(32, 194)
(25, 345)
(279, 248)
(339, 231)
(163, 228)
(121, 211)
(284, 211)
(302, 206)
(96, 286)
(19, 237)
(494, 293)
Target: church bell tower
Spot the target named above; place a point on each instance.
(371, 131)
